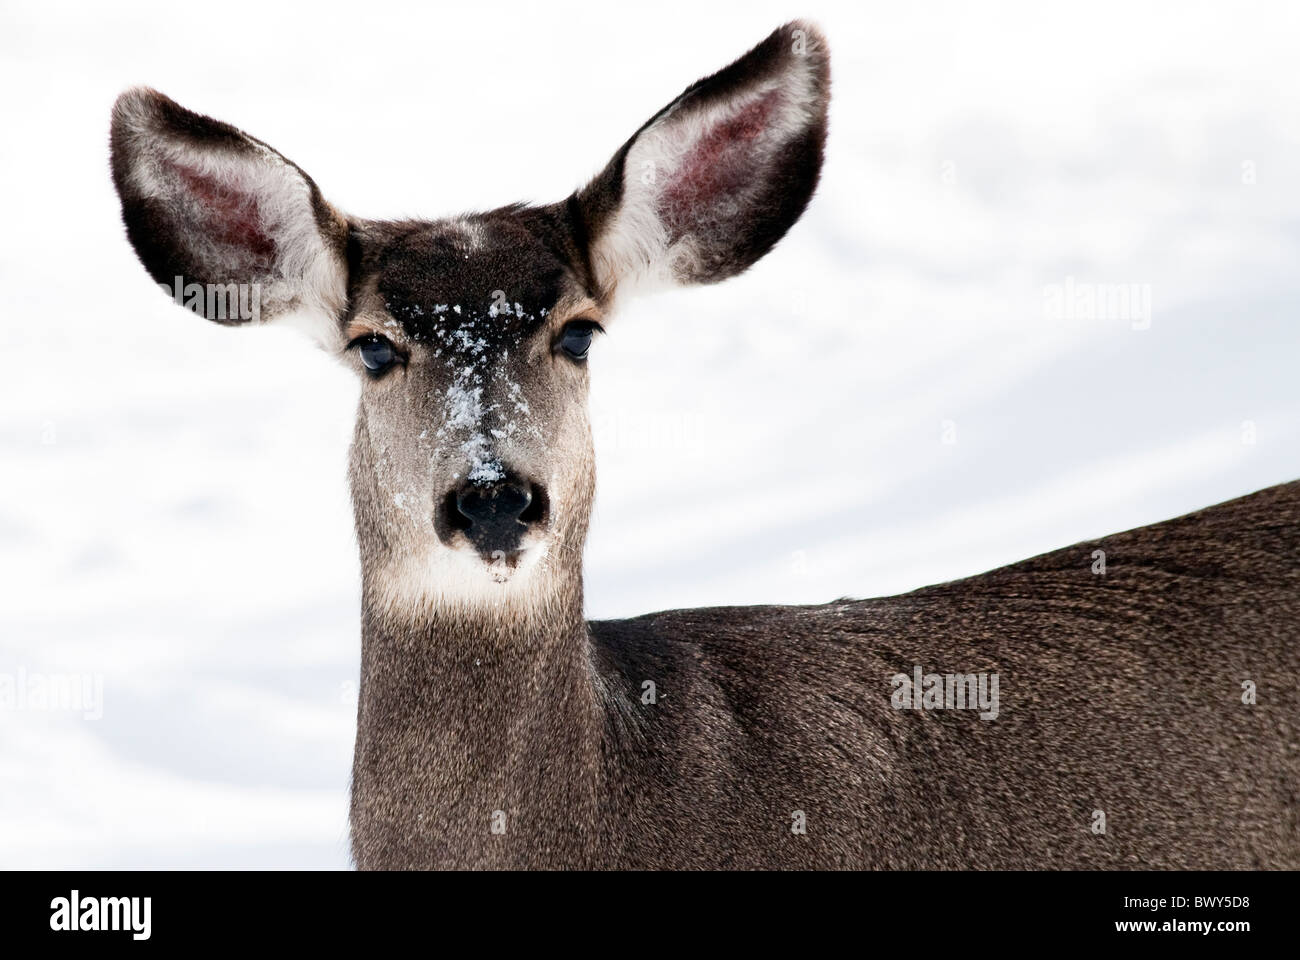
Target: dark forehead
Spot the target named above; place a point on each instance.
(504, 266)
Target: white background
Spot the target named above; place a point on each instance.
(174, 515)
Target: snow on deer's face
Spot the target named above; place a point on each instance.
(470, 337)
(472, 462)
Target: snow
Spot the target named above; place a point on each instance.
(891, 398)
(464, 412)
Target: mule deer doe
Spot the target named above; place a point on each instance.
(499, 728)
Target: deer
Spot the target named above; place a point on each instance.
(1124, 703)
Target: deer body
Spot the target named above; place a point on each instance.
(498, 728)
(1122, 693)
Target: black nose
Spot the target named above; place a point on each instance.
(493, 503)
(495, 516)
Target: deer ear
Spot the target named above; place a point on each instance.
(206, 204)
(718, 176)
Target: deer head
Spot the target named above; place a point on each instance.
(472, 466)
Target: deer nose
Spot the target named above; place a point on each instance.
(493, 503)
(495, 516)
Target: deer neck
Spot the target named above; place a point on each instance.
(478, 735)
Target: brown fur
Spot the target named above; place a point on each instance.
(490, 702)
(1120, 692)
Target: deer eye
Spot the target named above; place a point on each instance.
(575, 338)
(377, 353)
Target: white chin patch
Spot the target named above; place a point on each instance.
(503, 567)
(458, 576)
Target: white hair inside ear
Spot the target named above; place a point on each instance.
(698, 182)
(207, 204)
